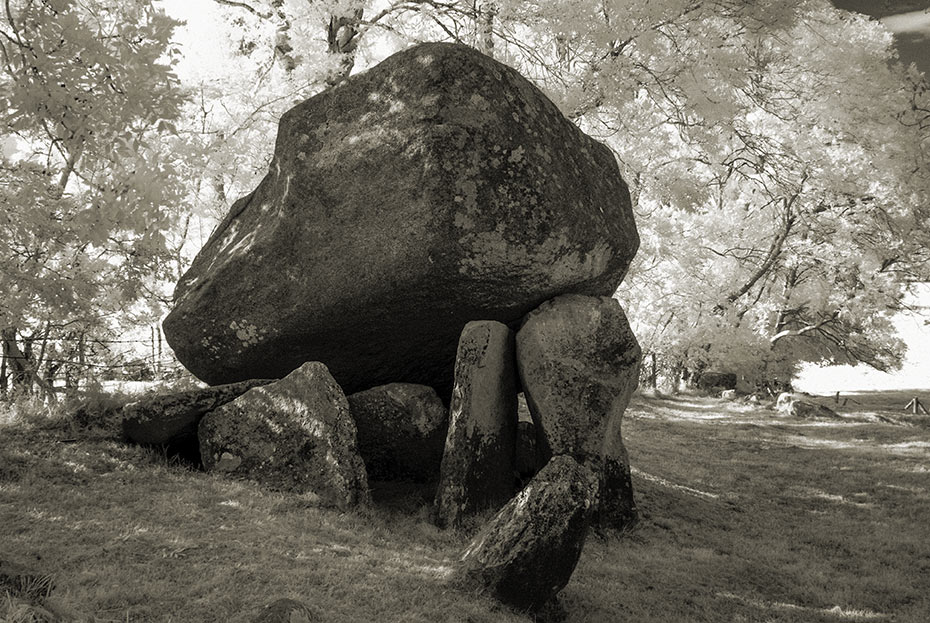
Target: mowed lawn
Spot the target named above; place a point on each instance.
(746, 516)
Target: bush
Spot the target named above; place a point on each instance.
(29, 409)
(99, 410)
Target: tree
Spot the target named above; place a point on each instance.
(817, 224)
(89, 177)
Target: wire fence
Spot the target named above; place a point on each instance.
(142, 356)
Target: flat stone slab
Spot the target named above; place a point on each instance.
(164, 418)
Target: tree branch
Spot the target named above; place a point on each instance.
(804, 330)
(771, 256)
(243, 5)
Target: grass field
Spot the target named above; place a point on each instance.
(746, 516)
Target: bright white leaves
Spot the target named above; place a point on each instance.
(779, 161)
(91, 185)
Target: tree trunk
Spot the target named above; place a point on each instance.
(3, 382)
(68, 356)
(342, 37)
(781, 318)
(22, 375)
(485, 12)
(82, 349)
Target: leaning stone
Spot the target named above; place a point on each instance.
(293, 435)
(401, 431)
(167, 418)
(438, 187)
(579, 365)
(286, 611)
(478, 463)
(528, 551)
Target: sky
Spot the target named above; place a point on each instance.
(909, 20)
(913, 329)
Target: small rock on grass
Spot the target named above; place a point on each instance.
(801, 405)
(811, 410)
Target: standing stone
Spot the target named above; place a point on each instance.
(479, 463)
(401, 431)
(528, 551)
(436, 188)
(167, 418)
(579, 364)
(293, 435)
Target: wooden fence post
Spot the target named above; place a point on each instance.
(916, 407)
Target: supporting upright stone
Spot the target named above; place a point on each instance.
(579, 364)
(528, 551)
(478, 463)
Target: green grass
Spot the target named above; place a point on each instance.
(747, 516)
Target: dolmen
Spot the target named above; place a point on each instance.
(437, 188)
(433, 238)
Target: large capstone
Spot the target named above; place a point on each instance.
(436, 188)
